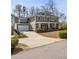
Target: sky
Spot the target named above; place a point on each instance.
(60, 4)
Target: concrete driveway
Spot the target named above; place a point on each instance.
(36, 40)
(52, 51)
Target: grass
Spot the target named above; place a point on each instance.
(52, 34)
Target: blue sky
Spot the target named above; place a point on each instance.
(60, 4)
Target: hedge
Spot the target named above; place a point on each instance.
(14, 43)
(63, 34)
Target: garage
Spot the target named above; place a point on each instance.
(23, 27)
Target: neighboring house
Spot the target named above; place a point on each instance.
(12, 23)
(37, 23)
(14, 20)
(23, 24)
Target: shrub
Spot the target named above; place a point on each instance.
(63, 34)
(14, 42)
(63, 26)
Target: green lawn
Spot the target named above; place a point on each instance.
(52, 34)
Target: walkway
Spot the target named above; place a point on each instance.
(51, 51)
(35, 40)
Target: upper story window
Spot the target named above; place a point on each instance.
(46, 19)
(53, 20)
(38, 19)
(32, 19)
(24, 20)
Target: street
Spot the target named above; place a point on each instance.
(55, 50)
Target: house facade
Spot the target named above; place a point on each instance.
(37, 23)
(44, 23)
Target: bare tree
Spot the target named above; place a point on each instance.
(56, 12)
(49, 8)
(51, 5)
(37, 10)
(45, 9)
(62, 17)
(32, 10)
(25, 11)
(18, 9)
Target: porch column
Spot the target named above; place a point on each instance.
(39, 26)
(48, 26)
(55, 26)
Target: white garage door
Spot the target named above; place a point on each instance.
(23, 27)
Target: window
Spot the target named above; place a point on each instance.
(38, 18)
(56, 26)
(47, 19)
(52, 26)
(42, 18)
(37, 26)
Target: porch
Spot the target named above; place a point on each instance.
(46, 26)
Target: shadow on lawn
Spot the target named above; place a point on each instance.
(16, 50)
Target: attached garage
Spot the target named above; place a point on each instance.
(22, 27)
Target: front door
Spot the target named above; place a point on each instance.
(52, 26)
(44, 27)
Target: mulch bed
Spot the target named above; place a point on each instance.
(19, 48)
(18, 34)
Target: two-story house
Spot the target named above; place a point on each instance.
(44, 22)
(37, 23)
